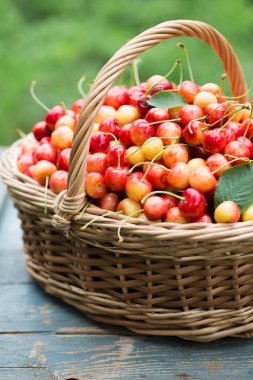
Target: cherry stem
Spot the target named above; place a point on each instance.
(150, 163)
(246, 159)
(164, 121)
(80, 85)
(230, 162)
(242, 95)
(117, 143)
(124, 221)
(223, 80)
(136, 72)
(45, 194)
(250, 117)
(222, 126)
(107, 213)
(162, 192)
(20, 133)
(37, 100)
(180, 44)
(154, 138)
(84, 208)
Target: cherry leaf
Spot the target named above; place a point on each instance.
(236, 184)
(167, 99)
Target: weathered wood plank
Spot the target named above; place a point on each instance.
(96, 357)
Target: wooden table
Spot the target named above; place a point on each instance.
(43, 338)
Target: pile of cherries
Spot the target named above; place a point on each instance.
(145, 161)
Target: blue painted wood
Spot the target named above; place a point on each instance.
(43, 338)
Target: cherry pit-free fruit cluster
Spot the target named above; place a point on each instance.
(157, 151)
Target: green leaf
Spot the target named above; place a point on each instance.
(236, 184)
(166, 99)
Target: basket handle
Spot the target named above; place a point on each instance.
(73, 200)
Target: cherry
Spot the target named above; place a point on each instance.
(157, 176)
(247, 214)
(40, 130)
(214, 140)
(62, 137)
(28, 146)
(105, 112)
(116, 97)
(237, 128)
(163, 85)
(229, 135)
(247, 125)
(195, 163)
(189, 90)
(42, 170)
(25, 161)
(211, 87)
(248, 143)
(193, 205)
(169, 132)
(140, 131)
(214, 113)
(203, 98)
(203, 219)
(152, 147)
(136, 188)
(78, 105)
(45, 140)
(58, 181)
(116, 177)
(135, 89)
(237, 149)
(175, 153)
(46, 152)
(129, 207)
(63, 159)
(189, 113)
(216, 161)
(155, 80)
(155, 208)
(97, 162)
(227, 212)
(95, 185)
(175, 215)
(53, 115)
(110, 125)
(202, 179)
(170, 201)
(99, 142)
(156, 115)
(127, 114)
(115, 153)
(179, 175)
(135, 155)
(139, 101)
(193, 133)
(124, 135)
(109, 202)
(66, 120)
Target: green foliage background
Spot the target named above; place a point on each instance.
(57, 41)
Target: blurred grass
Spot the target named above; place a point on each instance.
(56, 41)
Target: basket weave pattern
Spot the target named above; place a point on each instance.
(194, 281)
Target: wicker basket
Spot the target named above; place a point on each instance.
(193, 281)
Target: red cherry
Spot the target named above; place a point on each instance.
(63, 159)
(124, 135)
(193, 133)
(174, 215)
(78, 105)
(99, 142)
(109, 202)
(155, 208)
(189, 113)
(45, 140)
(247, 124)
(53, 115)
(46, 152)
(28, 146)
(202, 179)
(117, 96)
(215, 113)
(41, 130)
(95, 185)
(229, 135)
(203, 219)
(97, 162)
(58, 181)
(189, 90)
(155, 115)
(169, 132)
(113, 153)
(237, 128)
(140, 131)
(164, 85)
(237, 149)
(248, 143)
(216, 161)
(110, 125)
(214, 141)
(194, 204)
(139, 101)
(175, 153)
(179, 175)
(134, 89)
(25, 161)
(115, 178)
(157, 176)
(170, 201)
